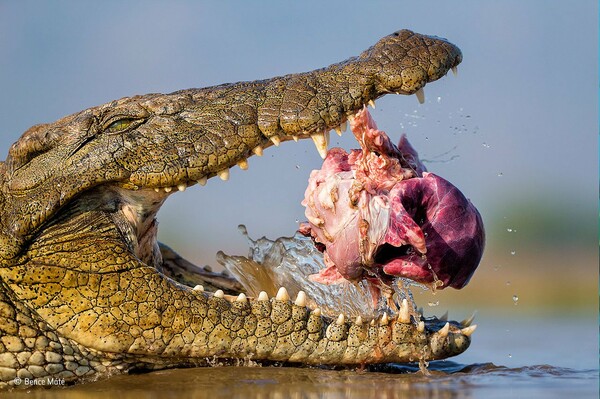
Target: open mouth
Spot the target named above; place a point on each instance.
(378, 223)
(79, 230)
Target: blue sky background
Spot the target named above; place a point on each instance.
(518, 127)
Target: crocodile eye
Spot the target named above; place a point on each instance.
(120, 125)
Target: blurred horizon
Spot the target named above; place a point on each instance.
(516, 130)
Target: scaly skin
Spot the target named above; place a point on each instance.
(86, 290)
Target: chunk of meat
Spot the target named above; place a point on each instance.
(377, 214)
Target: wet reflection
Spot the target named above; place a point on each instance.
(259, 382)
(446, 379)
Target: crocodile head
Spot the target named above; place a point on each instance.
(86, 289)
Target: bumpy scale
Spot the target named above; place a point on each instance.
(85, 287)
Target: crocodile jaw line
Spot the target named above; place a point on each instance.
(78, 225)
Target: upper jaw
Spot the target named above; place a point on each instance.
(321, 139)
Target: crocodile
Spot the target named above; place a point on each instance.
(87, 291)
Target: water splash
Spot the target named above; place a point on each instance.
(289, 261)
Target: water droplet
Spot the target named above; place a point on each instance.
(497, 267)
(485, 145)
(515, 299)
(513, 252)
(432, 304)
(297, 166)
(508, 283)
(509, 356)
(500, 174)
(439, 99)
(509, 230)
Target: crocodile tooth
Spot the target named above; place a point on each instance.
(373, 322)
(384, 320)
(320, 141)
(258, 151)
(444, 330)
(317, 312)
(338, 131)
(344, 126)
(403, 315)
(358, 321)
(420, 326)
(300, 299)
(454, 71)
(340, 320)
(275, 140)
(243, 164)
(199, 288)
(296, 138)
(444, 317)
(219, 294)
(282, 295)
(467, 322)
(372, 104)
(263, 296)
(241, 298)
(202, 181)
(468, 330)
(181, 187)
(420, 95)
(168, 189)
(224, 174)
(157, 189)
